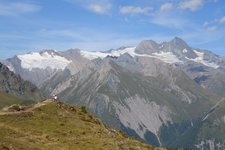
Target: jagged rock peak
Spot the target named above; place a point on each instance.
(178, 40)
(149, 42)
(176, 46)
(179, 43)
(3, 68)
(147, 47)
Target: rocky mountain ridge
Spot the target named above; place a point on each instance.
(15, 85)
(43, 65)
(150, 91)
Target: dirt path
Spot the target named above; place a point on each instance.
(29, 109)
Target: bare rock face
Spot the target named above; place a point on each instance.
(132, 116)
(139, 96)
(15, 85)
(147, 47)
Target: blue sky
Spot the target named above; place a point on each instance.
(32, 25)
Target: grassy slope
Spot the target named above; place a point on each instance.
(214, 126)
(7, 100)
(60, 126)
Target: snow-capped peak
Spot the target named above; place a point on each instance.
(93, 55)
(167, 57)
(129, 50)
(43, 60)
(113, 53)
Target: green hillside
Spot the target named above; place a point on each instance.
(55, 125)
(7, 100)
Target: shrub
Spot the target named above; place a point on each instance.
(83, 109)
(123, 134)
(15, 108)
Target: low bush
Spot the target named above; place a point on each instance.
(83, 109)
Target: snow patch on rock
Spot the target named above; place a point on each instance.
(113, 53)
(43, 61)
(129, 50)
(200, 59)
(185, 50)
(10, 68)
(167, 57)
(93, 55)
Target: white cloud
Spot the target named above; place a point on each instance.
(13, 9)
(101, 9)
(170, 21)
(59, 33)
(135, 10)
(214, 24)
(222, 20)
(192, 5)
(212, 28)
(96, 6)
(205, 24)
(166, 7)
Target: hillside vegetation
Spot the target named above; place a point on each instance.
(55, 125)
(7, 100)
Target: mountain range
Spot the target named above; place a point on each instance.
(166, 94)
